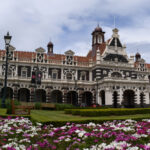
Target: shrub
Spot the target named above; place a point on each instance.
(8, 105)
(107, 112)
(37, 105)
(63, 106)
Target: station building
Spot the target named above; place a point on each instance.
(105, 76)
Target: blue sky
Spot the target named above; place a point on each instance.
(69, 23)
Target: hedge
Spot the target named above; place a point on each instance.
(107, 112)
(60, 123)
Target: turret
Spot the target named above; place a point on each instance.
(97, 39)
(137, 57)
(50, 48)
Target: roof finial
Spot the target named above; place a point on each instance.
(98, 24)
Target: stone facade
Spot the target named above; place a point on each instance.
(106, 76)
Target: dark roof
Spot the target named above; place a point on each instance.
(112, 57)
(50, 44)
(118, 42)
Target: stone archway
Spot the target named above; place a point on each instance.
(24, 95)
(87, 99)
(9, 93)
(115, 99)
(40, 95)
(102, 96)
(142, 99)
(56, 96)
(72, 98)
(129, 99)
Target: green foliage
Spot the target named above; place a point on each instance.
(37, 105)
(107, 112)
(59, 123)
(8, 105)
(63, 106)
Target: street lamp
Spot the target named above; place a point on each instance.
(7, 39)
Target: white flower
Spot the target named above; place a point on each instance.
(77, 131)
(91, 124)
(133, 148)
(81, 133)
(101, 130)
(19, 131)
(67, 139)
(22, 147)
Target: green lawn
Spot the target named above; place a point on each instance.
(44, 116)
(2, 112)
(47, 115)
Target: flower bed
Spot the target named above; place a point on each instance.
(20, 133)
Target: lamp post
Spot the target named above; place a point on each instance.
(7, 39)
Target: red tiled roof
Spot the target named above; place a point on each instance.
(28, 56)
(102, 48)
(148, 66)
(89, 54)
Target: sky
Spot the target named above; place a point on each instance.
(69, 24)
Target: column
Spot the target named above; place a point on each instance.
(99, 101)
(64, 96)
(32, 94)
(108, 97)
(120, 96)
(90, 76)
(147, 98)
(15, 93)
(48, 95)
(94, 93)
(80, 94)
(137, 97)
(16, 71)
(62, 74)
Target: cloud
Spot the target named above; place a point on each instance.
(69, 23)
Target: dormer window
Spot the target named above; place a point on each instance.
(39, 57)
(40, 54)
(69, 60)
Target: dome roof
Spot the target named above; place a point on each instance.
(98, 29)
(50, 44)
(138, 54)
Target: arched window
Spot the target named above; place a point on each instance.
(99, 39)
